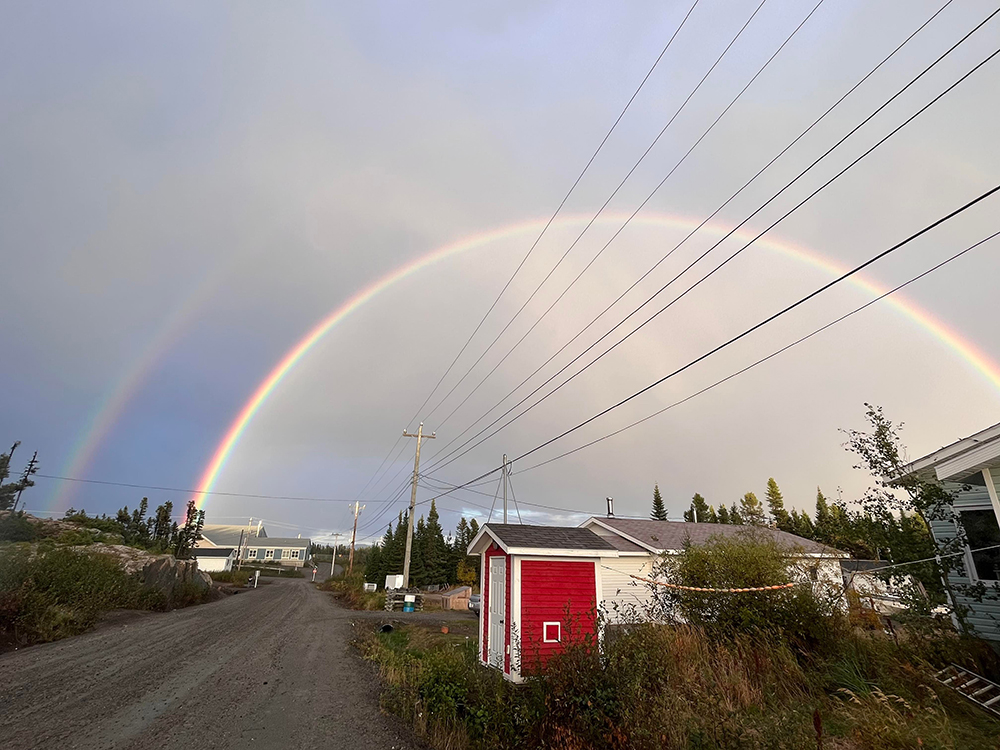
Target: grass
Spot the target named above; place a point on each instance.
(275, 572)
(672, 686)
(350, 592)
(237, 577)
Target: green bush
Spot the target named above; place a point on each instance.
(49, 594)
(351, 591)
(748, 561)
(239, 577)
(14, 527)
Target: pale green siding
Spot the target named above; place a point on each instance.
(983, 616)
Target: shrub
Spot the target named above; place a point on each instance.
(351, 591)
(239, 577)
(748, 561)
(50, 594)
(14, 527)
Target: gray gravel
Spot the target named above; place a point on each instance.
(265, 668)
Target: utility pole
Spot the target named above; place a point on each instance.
(357, 511)
(30, 469)
(504, 487)
(413, 500)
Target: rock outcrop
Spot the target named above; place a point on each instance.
(165, 574)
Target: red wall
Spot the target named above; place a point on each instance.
(484, 612)
(550, 589)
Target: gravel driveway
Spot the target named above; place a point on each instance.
(265, 668)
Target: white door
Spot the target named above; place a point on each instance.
(498, 600)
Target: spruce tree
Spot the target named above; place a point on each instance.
(659, 512)
(712, 516)
(734, 515)
(824, 521)
(776, 503)
(699, 509)
(723, 514)
(751, 511)
(436, 553)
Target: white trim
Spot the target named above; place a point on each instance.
(545, 632)
(619, 532)
(971, 459)
(515, 618)
(483, 619)
(992, 489)
(953, 451)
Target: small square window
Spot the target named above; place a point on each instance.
(295, 554)
(251, 554)
(268, 554)
(551, 632)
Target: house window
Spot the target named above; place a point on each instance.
(551, 632)
(251, 554)
(295, 554)
(981, 530)
(286, 554)
(268, 554)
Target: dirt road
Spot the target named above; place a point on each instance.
(266, 668)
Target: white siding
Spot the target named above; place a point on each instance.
(214, 564)
(624, 598)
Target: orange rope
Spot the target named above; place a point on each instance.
(704, 590)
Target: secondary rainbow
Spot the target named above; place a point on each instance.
(965, 349)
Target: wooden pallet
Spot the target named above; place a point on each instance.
(976, 688)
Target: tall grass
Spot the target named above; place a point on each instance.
(674, 686)
(350, 591)
(50, 594)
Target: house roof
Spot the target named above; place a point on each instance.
(962, 458)
(226, 535)
(214, 551)
(524, 539)
(664, 536)
(272, 542)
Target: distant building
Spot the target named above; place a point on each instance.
(215, 559)
(291, 552)
(253, 545)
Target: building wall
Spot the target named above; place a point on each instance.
(562, 592)
(214, 564)
(983, 616)
(624, 598)
(279, 557)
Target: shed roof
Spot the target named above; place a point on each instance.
(214, 551)
(521, 537)
(661, 536)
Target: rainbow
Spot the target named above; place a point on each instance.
(112, 404)
(964, 348)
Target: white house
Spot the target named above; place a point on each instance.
(970, 469)
(639, 543)
(215, 559)
(253, 545)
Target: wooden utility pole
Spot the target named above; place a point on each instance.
(30, 469)
(420, 436)
(357, 511)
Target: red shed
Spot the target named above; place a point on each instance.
(541, 587)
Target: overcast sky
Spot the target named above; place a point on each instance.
(187, 189)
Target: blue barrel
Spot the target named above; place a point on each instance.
(408, 607)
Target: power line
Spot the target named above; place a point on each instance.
(694, 231)
(748, 331)
(770, 318)
(162, 488)
(442, 462)
(599, 211)
(629, 219)
(770, 356)
(559, 208)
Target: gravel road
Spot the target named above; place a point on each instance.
(265, 668)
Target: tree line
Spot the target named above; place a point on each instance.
(434, 558)
(158, 533)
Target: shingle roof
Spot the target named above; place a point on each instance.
(214, 551)
(548, 537)
(671, 535)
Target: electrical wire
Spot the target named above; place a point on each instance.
(628, 221)
(695, 230)
(770, 356)
(558, 210)
(599, 211)
(441, 463)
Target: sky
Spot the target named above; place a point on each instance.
(187, 190)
